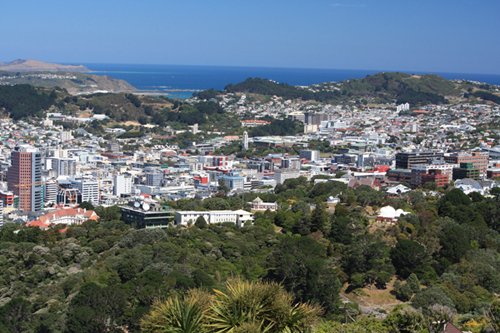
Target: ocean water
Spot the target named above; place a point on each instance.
(169, 79)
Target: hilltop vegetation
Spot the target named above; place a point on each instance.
(106, 276)
(381, 87)
(25, 101)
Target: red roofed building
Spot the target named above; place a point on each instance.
(200, 180)
(64, 216)
(253, 123)
(372, 182)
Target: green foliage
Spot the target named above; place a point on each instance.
(207, 94)
(266, 87)
(455, 242)
(405, 319)
(200, 222)
(131, 134)
(107, 271)
(430, 296)
(319, 217)
(243, 307)
(487, 96)
(86, 205)
(297, 262)
(281, 127)
(408, 257)
(413, 283)
(23, 100)
(419, 97)
(15, 316)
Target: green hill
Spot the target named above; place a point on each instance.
(384, 87)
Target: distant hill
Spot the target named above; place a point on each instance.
(384, 87)
(73, 82)
(32, 65)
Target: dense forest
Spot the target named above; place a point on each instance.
(487, 96)
(267, 87)
(440, 262)
(23, 101)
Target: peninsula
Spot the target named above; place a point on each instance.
(32, 65)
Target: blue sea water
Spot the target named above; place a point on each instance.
(165, 78)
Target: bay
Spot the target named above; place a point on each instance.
(166, 79)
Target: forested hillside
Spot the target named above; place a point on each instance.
(381, 87)
(106, 276)
(23, 101)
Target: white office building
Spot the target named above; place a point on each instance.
(282, 175)
(50, 192)
(65, 136)
(122, 185)
(239, 217)
(245, 140)
(89, 190)
(62, 166)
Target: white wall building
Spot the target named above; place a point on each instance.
(89, 190)
(122, 185)
(65, 136)
(245, 140)
(239, 217)
(282, 175)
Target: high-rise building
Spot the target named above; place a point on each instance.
(122, 185)
(50, 189)
(114, 147)
(310, 155)
(291, 163)
(26, 170)
(312, 118)
(407, 160)
(63, 166)
(89, 190)
(66, 136)
(154, 178)
(441, 173)
(1, 213)
(245, 140)
(478, 160)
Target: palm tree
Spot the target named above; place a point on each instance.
(178, 315)
(245, 307)
(258, 307)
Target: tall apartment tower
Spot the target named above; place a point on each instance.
(26, 169)
(245, 140)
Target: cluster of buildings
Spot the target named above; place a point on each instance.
(45, 168)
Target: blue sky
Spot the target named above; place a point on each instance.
(440, 36)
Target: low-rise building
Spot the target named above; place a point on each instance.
(259, 204)
(146, 215)
(390, 215)
(64, 216)
(238, 217)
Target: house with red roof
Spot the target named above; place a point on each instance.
(64, 216)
